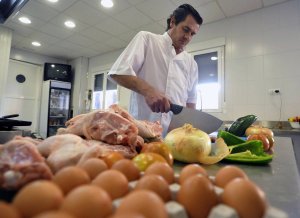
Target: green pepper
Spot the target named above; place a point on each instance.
(249, 152)
(229, 138)
(248, 157)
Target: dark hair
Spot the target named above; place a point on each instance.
(182, 12)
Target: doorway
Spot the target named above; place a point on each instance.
(22, 93)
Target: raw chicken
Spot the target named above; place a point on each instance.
(20, 163)
(103, 126)
(69, 149)
(146, 129)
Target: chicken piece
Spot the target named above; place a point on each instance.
(146, 129)
(49, 145)
(100, 149)
(63, 150)
(103, 126)
(21, 163)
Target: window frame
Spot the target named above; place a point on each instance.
(105, 78)
(221, 75)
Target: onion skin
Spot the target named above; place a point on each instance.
(261, 130)
(261, 137)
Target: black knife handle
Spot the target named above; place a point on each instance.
(176, 109)
(9, 116)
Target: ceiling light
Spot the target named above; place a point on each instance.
(211, 74)
(25, 20)
(53, 1)
(36, 43)
(52, 65)
(70, 24)
(213, 58)
(107, 3)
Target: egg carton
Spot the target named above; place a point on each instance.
(176, 210)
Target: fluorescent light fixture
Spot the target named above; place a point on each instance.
(52, 65)
(35, 43)
(107, 3)
(53, 1)
(213, 58)
(70, 24)
(25, 20)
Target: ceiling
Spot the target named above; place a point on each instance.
(100, 30)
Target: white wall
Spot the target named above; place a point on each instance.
(21, 55)
(262, 52)
(80, 79)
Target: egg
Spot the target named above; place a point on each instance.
(88, 201)
(128, 168)
(38, 197)
(94, 166)
(127, 215)
(190, 170)
(163, 170)
(113, 182)
(112, 158)
(197, 195)
(54, 214)
(155, 183)
(245, 197)
(8, 211)
(228, 173)
(71, 177)
(144, 202)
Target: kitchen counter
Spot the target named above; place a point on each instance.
(279, 179)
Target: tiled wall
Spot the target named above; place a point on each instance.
(262, 53)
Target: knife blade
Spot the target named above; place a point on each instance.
(198, 119)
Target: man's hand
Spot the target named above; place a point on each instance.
(157, 101)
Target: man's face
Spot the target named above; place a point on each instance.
(183, 33)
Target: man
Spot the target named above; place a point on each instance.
(158, 70)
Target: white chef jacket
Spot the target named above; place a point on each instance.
(152, 58)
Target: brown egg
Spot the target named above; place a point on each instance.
(8, 211)
(112, 158)
(228, 173)
(190, 170)
(113, 182)
(38, 197)
(127, 215)
(197, 195)
(54, 214)
(245, 197)
(128, 168)
(71, 177)
(94, 166)
(163, 170)
(143, 202)
(155, 183)
(88, 201)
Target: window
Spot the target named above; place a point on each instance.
(210, 79)
(105, 92)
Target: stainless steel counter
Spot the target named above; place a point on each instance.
(279, 180)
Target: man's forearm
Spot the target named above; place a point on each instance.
(133, 83)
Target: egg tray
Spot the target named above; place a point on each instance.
(176, 210)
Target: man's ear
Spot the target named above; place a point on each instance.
(172, 22)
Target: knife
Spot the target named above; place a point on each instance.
(196, 118)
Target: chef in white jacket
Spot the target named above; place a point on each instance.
(158, 70)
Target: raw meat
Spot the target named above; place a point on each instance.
(69, 149)
(20, 163)
(146, 129)
(103, 126)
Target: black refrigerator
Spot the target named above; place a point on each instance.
(55, 106)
